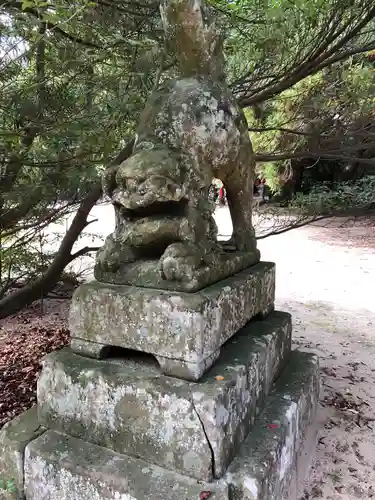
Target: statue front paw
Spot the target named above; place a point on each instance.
(180, 261)
(112, 255)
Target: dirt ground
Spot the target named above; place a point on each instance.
(325, 279)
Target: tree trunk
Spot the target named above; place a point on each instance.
(29, 293)
(26, 295)
(298, 169)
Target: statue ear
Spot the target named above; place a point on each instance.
(195, 42)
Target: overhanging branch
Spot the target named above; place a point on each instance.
(333, 51)
(285, 130)
(265, 158)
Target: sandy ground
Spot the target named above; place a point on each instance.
(325, 279)
(327, 283)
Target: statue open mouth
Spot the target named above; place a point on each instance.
(155, 196)
(156, 210)
(150, 228)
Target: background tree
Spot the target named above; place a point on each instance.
(303, 72)
(321, 130)
(74, 77)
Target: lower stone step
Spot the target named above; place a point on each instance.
(59, 467)
(265, 467)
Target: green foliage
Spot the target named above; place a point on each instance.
(302, 71)
(325, 116)
(74, 77)
(23, 259)
(273, 44)
(353, 195)
(269, 171)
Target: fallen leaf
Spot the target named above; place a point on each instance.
(24, 341)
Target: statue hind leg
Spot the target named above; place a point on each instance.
(239, 194)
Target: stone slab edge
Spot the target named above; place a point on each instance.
(250, 361)
(266, 463)
(145, 273)
(61, 467)
(14, 437)
(65, 468)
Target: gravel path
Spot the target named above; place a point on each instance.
(326, 280)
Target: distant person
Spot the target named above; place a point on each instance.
(222, 196)
(266, 191)
(255, 187)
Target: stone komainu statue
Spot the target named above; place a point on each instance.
(190, 131)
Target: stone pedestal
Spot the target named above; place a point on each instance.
(184, 331)
(112, 423)
(145, 273)
(130, 407)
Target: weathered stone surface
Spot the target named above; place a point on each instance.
(59, 467)
(14, 437)
(193, 428)
(185, 369)
(146, 272)
(190, 131)
(185, 327)
(66, 468)
(89, 349)
(265, 464)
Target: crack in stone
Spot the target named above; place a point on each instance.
(205, 434)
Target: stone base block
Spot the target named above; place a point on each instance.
(130, 407)
(146, 273)
(265, 467)
(14, 437)
(59, 467)
(185, 331)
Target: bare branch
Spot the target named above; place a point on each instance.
(286, 130)
(83, 251)
(317, 155)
